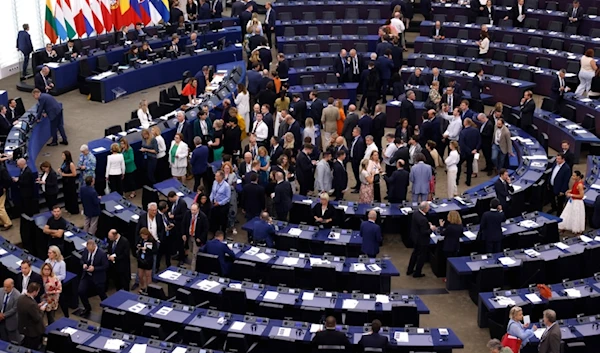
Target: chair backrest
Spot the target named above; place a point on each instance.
(112, 130)
(233, 300)
(335, 47)
(557, 44)
(361, 47)
(299, 63)
(309, 16)
(208, 263)
(499, 55)
(568, 111)
(351, 14)
(421, 62)
(531, 23)
(519, 59)
(545, 63)
(507, 38)
(577, 48)
(505, 23)
(323, 95)
(173, 93)
(439, 17)
(235, 342)
(329, 15)
(313, 31)
(102, 64)
(374, 14)
(482, 20)
(573, 66)
(552, 5)
(362, 31)
(154, 109)
(449, 65)
(532, 271)
(489, 277)
(132, 124)
(548, 104)
(451, 50)
(289, 31)
(474, 67)
(589, 123)
(331, 78)
(569, 30)
(405, 314)
(307, 80)
(312, 48)
(427, 48)
(243, 270)
(282, 275)
(471, 53)
(324, 277)
(156, 291)
(193, 336)
(462, 34)
(337, 31)
(285, 16)
(525, 75)
(290, 48)
(535, 42)
(500, 70)
(462, 19)
(326, 61)
(592, 10)
(555, 26)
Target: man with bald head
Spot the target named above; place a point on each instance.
(341, 66)
(436, 76)
(420, 230)
(282, 197)
(9, 329)
(26, 183)
(119, 264)
(437, 32)
(371, 235)
(350, 123)
(356, 66)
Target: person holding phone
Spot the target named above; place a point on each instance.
(53, 288)
(146, 249)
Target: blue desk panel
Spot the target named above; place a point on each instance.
(326, 26)
(347, 41)
(338, 91)
(339, 7)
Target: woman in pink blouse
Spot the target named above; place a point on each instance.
(53, 288)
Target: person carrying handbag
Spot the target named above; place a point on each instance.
(517, 334)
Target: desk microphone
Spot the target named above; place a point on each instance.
(234, 57)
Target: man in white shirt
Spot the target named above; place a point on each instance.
(371, 146)
(324, 174)
(388, 153)
(397, 23)
(518, 14)
(260, 130)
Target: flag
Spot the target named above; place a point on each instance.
(50, 25)
(145, 10)
(106, 15)
(69, 19)
(141, 11)
(88, 17)
(97, 16)
(78, 18)
(159, 10)
(121, 13)
(59, 19)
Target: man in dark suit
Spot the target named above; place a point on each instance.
(282, 197)
(294, 128)
(12, 112)
(373, 339)
(357, 153)
(420, 229)
(340, 175)
(527, 110)
(341, 67)
(204, 10)
(253, 201)
(558, 89)
(401, 154)
(383, 46)
(416, 78)
(365, 123)
(574, 15)
(436, 76)
(316, 107)
(486, 131)
(477, 85)
(559, 183)
(595, 223)
(569, 156)
(217, 247)
(26, 183)
(305, 169)
(378, 125)
(50, 108)
(469, 142)
(407, 109)
(5, 124)
(26, 277)
(254, 80)
(269, 25)
(199, 163)
(30, 319)
(184, 127)
(119, 264)
(397, 183)
(245, 17)
(298, 108)
(194, 230)
(329, 336)
(518, 14)
(49, 55)
(456, 86)
(159, 233)
(371, 235)
(275, 151)
(385, 66)
(264, 232)
(9, 322)
(438, 32)
(550, 340)
(255, 40)
(475, 10)
(490, 229)
(503, 189)
(217, 10)
(450, 98)
(465, 111)
(91, 205)
(25, 46)
(356, 66)
(350, 123)
(42, 80)
(95, 264)
(177, 209)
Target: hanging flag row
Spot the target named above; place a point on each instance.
(68, 19)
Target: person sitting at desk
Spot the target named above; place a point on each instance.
(189, 90)
(416, 79)
(329, 336)
(122, 35)
(490, 229)
(138, 31)
(217, 247)
(42, 80)
(437, 32)
(55, 228)
(373, 339)
(371, 235)
(323, 212)
(174, 46)
(194, 40)
(132, 55)
(144, 114)
(5, 124)
(70, 49)
(49, 55)
(264, 231)
(144, 51)
(12, 114)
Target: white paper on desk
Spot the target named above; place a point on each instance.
(315, 261)
(238, 326)
(401, 336)
(136, 308)
(235, 285)
(395, 102)
(290, 261)
(307, 201)
(539, 332)
(69, 330)
(581, 131)
(470, 235)
(138, 348)
(516, 84)
(420, 330)
(164, 311)
(506, 261)
(349, 304)
(533, 297)
(374, 267)
(98, 149)
(3, 252)
(179, 350)
(334, 235)
(113, 344)
(271, 295)
(504, 301)
(135, 216)
(597, 238)
(342, 207)
(68, 234)
(358, 267)
(504, 229)
(308, 296)
(382, 298)
(118, 207)
(314, 328)
(284, 331)
(573, 293)
(560, 119)
(561, 246)
(168, 274)
(207, 285)
(595, 186)
(572, 126)
(528, 224)
(406, 210)
(252, 251)
(532, 253)
(263, 257)
(295, 231)
(585, 238)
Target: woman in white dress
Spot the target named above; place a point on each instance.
(309, 130)
(452, 166)
(178, 154)
(144, 114)
(586, 73)
(242, 102)
(573, 215)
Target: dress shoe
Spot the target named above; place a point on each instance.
(51, 144)
(408, 273)
(135, 286)
(418, 275)
(66, 143)
(84, 313)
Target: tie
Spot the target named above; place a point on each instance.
(180, 127)
(450, 102)
(343, 64)
(193, 226)
(114, 246)
(255, 127)
(574, 12)
(435, 79)
(6, 296)
(173, 208)
(355, 66)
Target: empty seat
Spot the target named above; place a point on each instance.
(557, 44)
(573, 67)
(337, 31)
(324, 277)
(451, 50)
(298, 63)
(531, 23)
(592, 10)
(482, 20)
(535, 42)
(500, 70)
(102, 64)
(307, 80)
(331, 79)
(462, 34)
(313, 31)
(427, 48)
(577, 48)
(208, 263)
(289, 31)
(420, 62)
(507, 38)
(595, 32)
(499, 55)
(548, 104)
(439, 17)
(361, 47)
(335, 47)
(568, 111)
(505, 23)
(326, 61)
(352, 14)
(519, 59)
(329, 15)
(449, 65)
(544, 63)
(589, 123)
(112, 130)
(362, 31)
(285, 16)
(290, 48)
(132, 124)
(471, 53)
(474, 67)
(554, 26)
(374, 14)
(282, 275)
(552, 5)
(462, 19)
(308, 16)
(312, 48)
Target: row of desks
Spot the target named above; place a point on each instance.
(326, 26)
(323, 41)
(339, 7)
(337, 91)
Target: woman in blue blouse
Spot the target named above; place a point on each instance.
(516, 328)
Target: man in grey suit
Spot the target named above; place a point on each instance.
(349, 124)
(329, 118)
(420, 174)
(550, 340)
(9, 329)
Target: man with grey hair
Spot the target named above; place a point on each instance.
(495, 346)
(486, 130)
(371, 147)
(350, 123)
(373, 56)
(558, 89)
(550, 340)
(95, 264)
(184, 127)
(407, 108)
(8, 315)
(86, 163)
(26, 183)
(220, 196)
(420, 229)
(282, 197)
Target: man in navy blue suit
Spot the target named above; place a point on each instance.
(490, 229)
(264, 232)
(357, 152)
(50, 108)
(559, 183)
(95, 265)
(385, 66)
(503, 189)
(373, 339)
(199, 163)
(184, 127)
(465, 111)
(253, 201)
(470, 142)
(477, 85)
(245, 17)
(371, 235)
(25, 46)
(558, 89)
(282, 197)
(365, 122)
(204, 10)
(340, 175)
(269, 25)
(215, 246)
(397, 183)
(254, 78)
(294, 128)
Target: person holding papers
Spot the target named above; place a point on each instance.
(329, 337)
(371, 234)
(119, 260)
(323, 213)
(573, 216)
(373, 339)
(420, 231)
(490, 229)
(145, 250)
(264, 232)
(452, 230)
(216, 246)
(94, 262)
(516, 328)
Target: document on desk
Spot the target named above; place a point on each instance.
(382, 298)
(295, 231)
(585, 238)
(168, 274)
(263, 257)
(504, 301)
(164, 311)
(290, 261)
(334, 235)
(69, 330)
(138, 348)
(349, 304)
(118, 207)
(314, 328)
(179, 350)
(573, 293)
(307, 201)
(137, 308)
(206, 285)
(270, 295)
(98, 149)
(235, 285)
(470, 235)
(135, 216)
(113, 344)
(3, 252)
(561, 246)
(67, 234)
(342, 207)
(401, 336)
(374, 267)
(308, 296)
(252, 251)
(507, 261)
(539, 332)
(533, 297)
(284, 331)
(528, 224)
(358, 267)
(532, 253)
(238, 326)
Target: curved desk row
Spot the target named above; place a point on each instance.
(558, 59)
(509, 91)
(326, 26)
(311, 59)
(323, 41)
(282, 335)
(362, 8)
(104, 86)
(584, 106)
(592, 180)
(208, 287)
(338, 91)
(544, 16)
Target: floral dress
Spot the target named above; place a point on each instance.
(53, 289)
